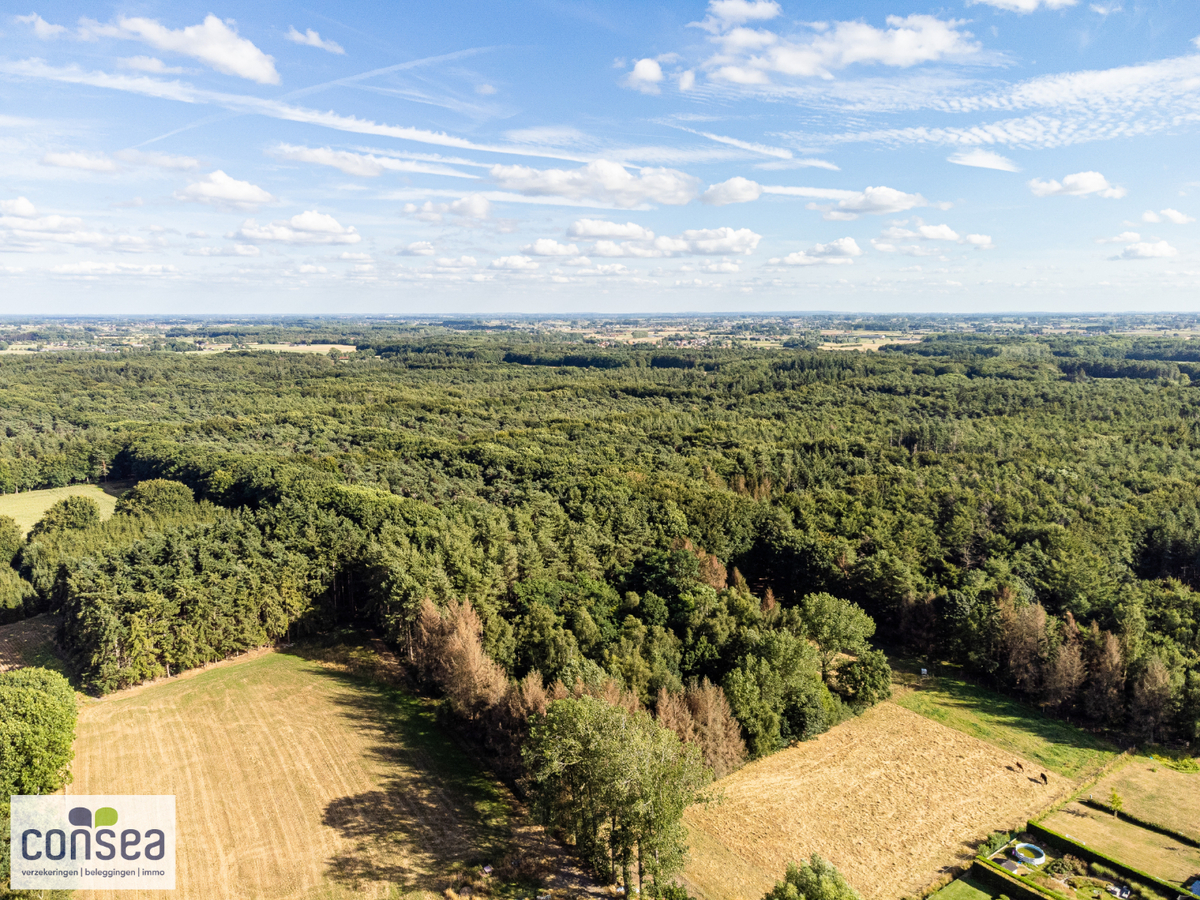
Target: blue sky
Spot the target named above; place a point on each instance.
(555, 156)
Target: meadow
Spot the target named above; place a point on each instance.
(296, 780)
(1156, 793)
(29, 506)
(892, 798)
(951, 700)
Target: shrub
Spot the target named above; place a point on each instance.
(68, 514)
(994, 842)
(813, 879)
(157, 497)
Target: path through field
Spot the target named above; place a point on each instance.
(294, 781)
(891, 798)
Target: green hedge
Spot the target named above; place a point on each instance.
(1083, 851)
(1143, 823)
(1016, 888)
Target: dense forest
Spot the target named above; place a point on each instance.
(649, 517)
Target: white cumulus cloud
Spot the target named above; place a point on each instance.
(599, 228)
(514, 263)
(839, 252)
(984, 159)
(734, 190)
(219, 189)
(83, 161)
(20, 207)
(724, 241)
(213, 42)
(310, 227)
(310, 38)
(1146, 250)
(601, 180)
(876, 201)
(418, 248)
(1078, 185)
(472, 206)
(234, 250)
(724, 13)
(750, 56)
(645, 77)
(1025, 6)
(550, 247)
(1125, 237)
(1171, 215)
(41, 27)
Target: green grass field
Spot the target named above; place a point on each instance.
(29, 507)
(948, 698)
(966, 888)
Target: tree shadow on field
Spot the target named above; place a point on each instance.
(434, 813)
(957, 692)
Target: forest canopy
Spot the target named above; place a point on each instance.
(664, 516)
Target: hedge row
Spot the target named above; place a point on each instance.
(1143, 823)
(998, 877)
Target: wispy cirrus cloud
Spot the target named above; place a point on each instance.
(310, 38)
(367, 165)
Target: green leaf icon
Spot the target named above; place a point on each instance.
(106, 815)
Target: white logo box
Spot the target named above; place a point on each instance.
(106, 841)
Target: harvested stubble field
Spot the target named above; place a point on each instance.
(1156, 793)
(294, 780)
(29, 642)
(1153, 853)
(891, 798)
(27, 508)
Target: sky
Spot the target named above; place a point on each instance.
(570, 156)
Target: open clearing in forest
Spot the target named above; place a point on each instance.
(893, 799)
(1155, 793)
(29, 642)
(953, 701)
(1153, 853)
(294, 780)
(29, 507)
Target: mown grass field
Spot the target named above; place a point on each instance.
(1139, 847)
(947, 698)
(892, 798)
(1153, 792)
(294, 780)
(28, 507)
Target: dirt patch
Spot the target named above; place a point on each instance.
(893, 799)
